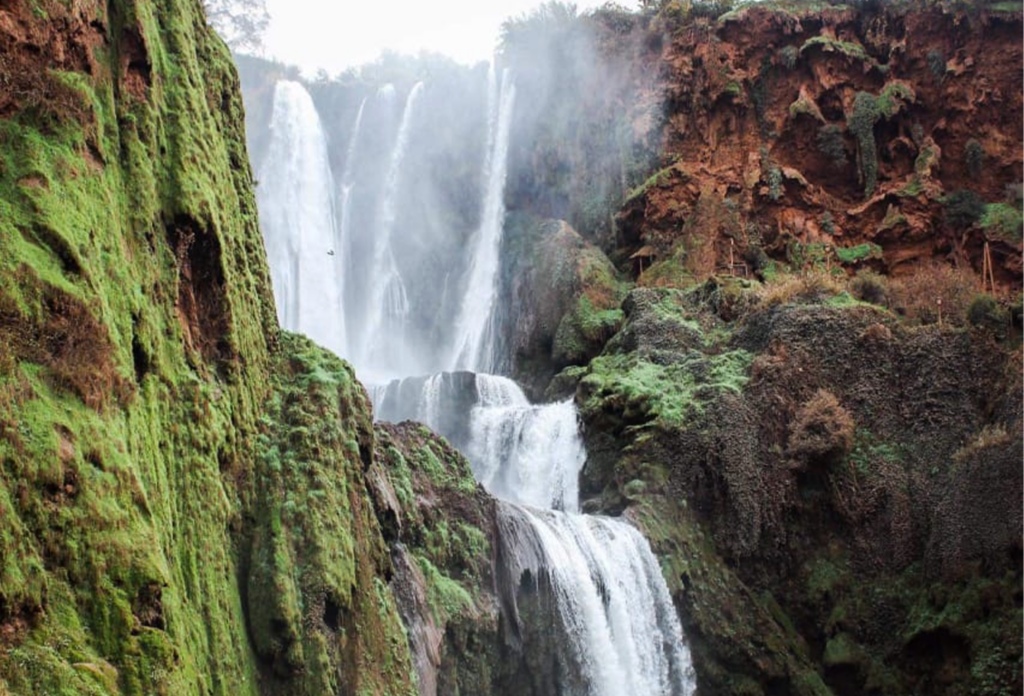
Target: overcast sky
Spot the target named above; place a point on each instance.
(335, 35)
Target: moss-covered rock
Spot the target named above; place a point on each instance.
(805, 578)
(185, 492)
(566, 298)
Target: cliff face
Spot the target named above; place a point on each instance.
(136, 334)
(827, 128)
(187, 495)
(824, 450)
(835, 495)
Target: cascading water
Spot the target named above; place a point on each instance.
(389, 303)
(622, 635)
(618, 631)
(521, 452)
(296, 201)
(474, 328)
(347, 185)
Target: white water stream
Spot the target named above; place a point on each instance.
(620, 635)
(296, 203)
(475, 327)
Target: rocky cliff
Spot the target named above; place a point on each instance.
(191, 500)
(811, 401)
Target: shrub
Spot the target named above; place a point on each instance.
(963, 208)
(828, 224)
(816, 286)
(974, 157)
(775, 183)
(756, 258)
(916, 296)
(861, 123)
(917, 134)
(830, 144)
(821, 433)
(937, 64)
(985, 312)
(1003, 220)
(869, 286)
(788, 56)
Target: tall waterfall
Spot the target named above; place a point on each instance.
(389, 304)
(296, 201)
(618, 632)
(474, 329)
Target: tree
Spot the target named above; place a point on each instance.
(241, 23)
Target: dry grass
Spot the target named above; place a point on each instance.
(814, 286)
(917, 297)
(990, 436)
(822, 431)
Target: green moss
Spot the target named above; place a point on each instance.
(861, 252)
(830, 45)
(658, 180)
(668, 395)
(446, 597)
(868, 452)
(893, 218)
(797, 9)
(805, 106)
(595, 315)
(913, 189)
(1004, 221)
(892, 98)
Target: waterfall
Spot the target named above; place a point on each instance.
(475, 327)
(620, 630)
(296, 201)
(347, 184)
(617, 632)
(389, 303)
(523, 453)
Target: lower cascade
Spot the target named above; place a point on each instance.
(619, 632)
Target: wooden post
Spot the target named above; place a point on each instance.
(984, 268)
(987, 265)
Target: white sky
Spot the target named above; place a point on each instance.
(335, 35)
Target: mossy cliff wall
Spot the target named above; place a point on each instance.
(185, 504)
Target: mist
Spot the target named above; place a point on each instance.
(411, 146)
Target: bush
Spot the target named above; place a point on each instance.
(821, 433)
(828, 223)
(974, 158)
(830, 144)
(775, 184)
(937, 64)
(756, 258)
(916, 296)
(788, 56)
(985, 312)
(816, 286)
(869, 286)
(963, 209)
(861, 123)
